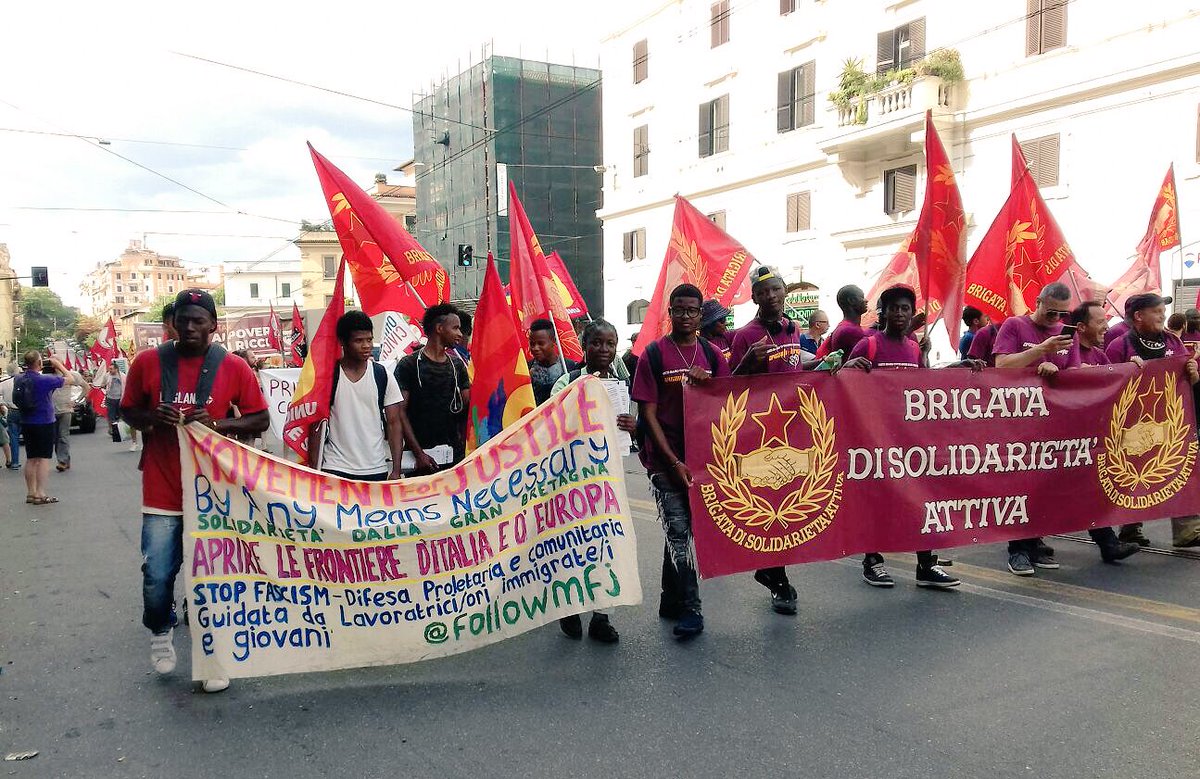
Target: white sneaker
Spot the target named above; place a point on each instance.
(214, 685)
(133, 446)
(162, 652)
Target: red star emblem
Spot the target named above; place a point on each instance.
(774, 422)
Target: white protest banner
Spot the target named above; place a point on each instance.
(399, 334)
(290, 570)
(278, 384)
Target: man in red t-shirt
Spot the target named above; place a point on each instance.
(143, 407)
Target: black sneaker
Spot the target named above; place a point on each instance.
(1133, 536)
(600, 629)
(783, 599)
(935, 576)
(1046, 561)
(1118, 550)
(1019, 564)
(1042, 549)
(690, 625)
(877, 575)
(572, 626)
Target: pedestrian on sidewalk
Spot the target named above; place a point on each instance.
(206, 381)
(64, 409)
(12, 417)
(33, 394)
(662, 369)
(113, 384)
(365, 430)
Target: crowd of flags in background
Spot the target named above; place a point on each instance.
(1023, 250)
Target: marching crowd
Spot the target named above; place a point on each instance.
(384, 424)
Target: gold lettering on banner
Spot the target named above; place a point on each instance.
(786, 520)
(1148, 459)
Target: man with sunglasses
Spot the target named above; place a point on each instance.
(1037, 340)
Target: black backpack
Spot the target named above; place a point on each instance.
(654, 357)
(23, 398)
(168, 366)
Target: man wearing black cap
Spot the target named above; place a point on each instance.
(714, 326)
(1148, 339)
(770, 343)
(186, 380)
(894, 349)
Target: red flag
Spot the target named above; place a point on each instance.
(902, 269)
(105, 348)
(1023, 251)
(298, 337)
(275, 336)
(562, 285)
(699, 253)
(310, 400)
(1145, 274)
(391, 271)
(939, 242)
(532, 294)
(500, 389)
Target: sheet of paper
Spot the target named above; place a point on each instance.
(618, 394)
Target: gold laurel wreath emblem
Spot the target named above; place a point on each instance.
(1175, 455)
(818, 493)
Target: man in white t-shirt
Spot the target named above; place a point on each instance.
(365, 399)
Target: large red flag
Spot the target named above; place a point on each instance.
(275, 336)
(298, 338)
(500, 389)
(310, 400)
(533, 293)
(391, 271)
(901, 269)
(105, 348)
(699, 253)
(564, 286)
(1023, 251)
(939, 243)
(1145, 274)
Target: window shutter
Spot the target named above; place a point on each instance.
(627, 246)
(906, 188)
(793, 204)
(803, 210)
(1054, 24)
(717, 218)
(1048, 161)
(1033, 27)
(783, 103)
(706, 128)
(885, 51)
(714, 25)
(725, 19)
(916, 41)
(1198, 133)
(640, 61)
(639, 240)
(808, 94)
(786, 7)
(721, 124)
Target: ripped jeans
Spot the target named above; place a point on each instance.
(675, 513)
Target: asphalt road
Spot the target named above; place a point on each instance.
(1088, 671)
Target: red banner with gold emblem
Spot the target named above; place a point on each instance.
(796, 468)
(1145, 274)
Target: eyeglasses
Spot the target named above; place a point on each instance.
(690, 312)
(1053, 314)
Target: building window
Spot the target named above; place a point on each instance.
(1042, 156)
(637, 311)
(329, 263)
(786, 7)
(118, 276)
(714, 126)
(253, 290)
(170, 288)
(410, 223)
(1045, 26)
(285, 290)
(797, 103)
(641, 150)
(899, 48)
(328, 301)
(1198, 134)
(641, 61)
(717, 218)
(633, 245)
(133, 275)
(899, 189)
(799, 211)
(120, 288)
(158, 276)
(719, 25)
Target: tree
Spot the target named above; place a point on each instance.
(46, 318)
(86, 326)
(155, 307)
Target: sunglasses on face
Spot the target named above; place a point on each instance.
(1054, 314)
(685, 311)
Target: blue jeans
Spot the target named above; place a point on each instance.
(162, 555)
(14, 435)
(676, 515)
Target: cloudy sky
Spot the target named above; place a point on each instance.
(117, 71)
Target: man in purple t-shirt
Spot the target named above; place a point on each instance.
(770, 344)
(1147, 339)
(894, 349)
(37, 424)
(1191, 330)
(982, 343)
(662, 369)
(849, 332)
(1036, 340)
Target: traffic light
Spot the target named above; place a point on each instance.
(466, 255)
(41, 276)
